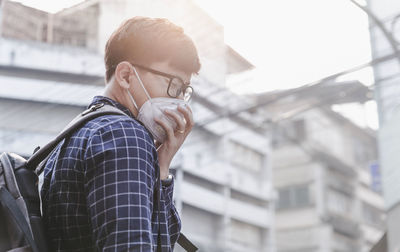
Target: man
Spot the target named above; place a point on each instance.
(100, 190)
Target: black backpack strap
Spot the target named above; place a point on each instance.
(186, 244)
(8, 201)
(94, 111)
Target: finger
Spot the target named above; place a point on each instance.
(188, 108)
(187, 113)
(190, 113)
(178, 119)
(168, 129)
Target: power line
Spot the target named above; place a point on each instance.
(393, 26)
(389, 36)
(222, 113)
(319, 104)
(393, 19)
(234, 114)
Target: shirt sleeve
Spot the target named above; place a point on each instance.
(119, 187)
(174, 221)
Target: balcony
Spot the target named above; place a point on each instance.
(216, 203)
(345, 226)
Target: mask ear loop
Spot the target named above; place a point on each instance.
(133, 101)
(141, 83)
(145, 91)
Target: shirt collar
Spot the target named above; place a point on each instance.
(99, 99)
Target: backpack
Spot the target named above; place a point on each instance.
(21, 226)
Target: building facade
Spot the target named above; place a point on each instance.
(325, 172)
(223, 187)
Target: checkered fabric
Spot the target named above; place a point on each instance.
(99, 189)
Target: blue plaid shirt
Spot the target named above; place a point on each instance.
(99, 189)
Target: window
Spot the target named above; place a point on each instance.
(284, 198)
(245, 157)
(301, 198)
(372, 215)
(339, 203)
(294, 197)
(363, 151)
(44, 33)
(246, 234)
(295, 130)
(298, 130)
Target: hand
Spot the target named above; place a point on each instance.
(174, 141)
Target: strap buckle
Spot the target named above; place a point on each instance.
(92, 108)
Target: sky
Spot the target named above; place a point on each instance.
(291, 42)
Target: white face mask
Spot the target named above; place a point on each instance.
(154, 108)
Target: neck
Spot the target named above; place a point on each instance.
(118, 94)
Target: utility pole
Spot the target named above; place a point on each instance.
(389, 116)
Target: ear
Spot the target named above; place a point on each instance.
(122, 74)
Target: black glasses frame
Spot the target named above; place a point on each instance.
(171, 77)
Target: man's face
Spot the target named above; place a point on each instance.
(155, 84)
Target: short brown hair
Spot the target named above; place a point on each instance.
(146, 40)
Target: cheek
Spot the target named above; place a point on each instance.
(157, 87)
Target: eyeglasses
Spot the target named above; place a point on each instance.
(176, 85)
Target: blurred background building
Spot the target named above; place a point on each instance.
(324, 169)
(51, 66)
(385, 44)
